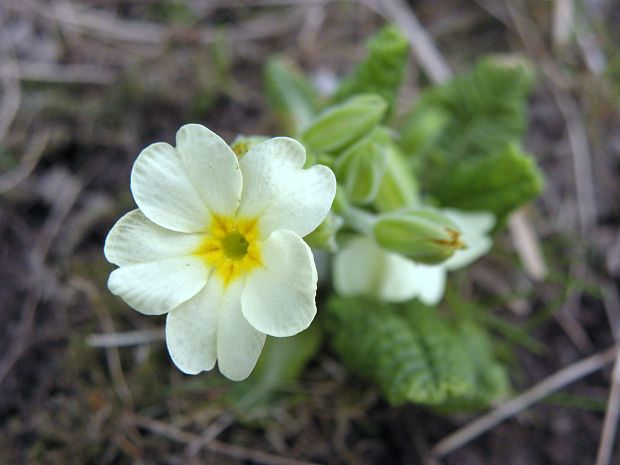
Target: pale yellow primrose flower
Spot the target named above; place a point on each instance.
(364, 268)
(216, 242)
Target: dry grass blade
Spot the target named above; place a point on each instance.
(425, 50)
(610, 424)
(20, 343)
(35, 150)
(575, 129)
(65, 74)
(588, 39)
(11, 90)
(611, 299)
(526, 241)
(582, 159)
(126, 338)
(549, 385)
(66, 196)
(563, 21)
(111, 351)
(240, 453)
(218, 426)
(108, 27)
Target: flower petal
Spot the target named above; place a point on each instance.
(363, 268)
(476, 248)
(136, 239)
(430, 282)
(164, 192)
(285, 196)
(157, 287)
(238, 343)
(191, 330)
(279, 299)
(472, 223)
(475, 227)
(212, 166)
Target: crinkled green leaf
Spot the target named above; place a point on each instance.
(463, 139)
(382, 70)
(491, 381)
(484, 109)
(289, 94)
(414, 354)
(497, 182)
(423, 129)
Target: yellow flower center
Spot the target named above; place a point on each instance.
(231, 247)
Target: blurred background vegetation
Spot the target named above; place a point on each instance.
(85, 85)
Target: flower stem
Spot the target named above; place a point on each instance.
(356, 218)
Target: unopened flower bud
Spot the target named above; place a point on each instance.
(424, 235)
(341, 125)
